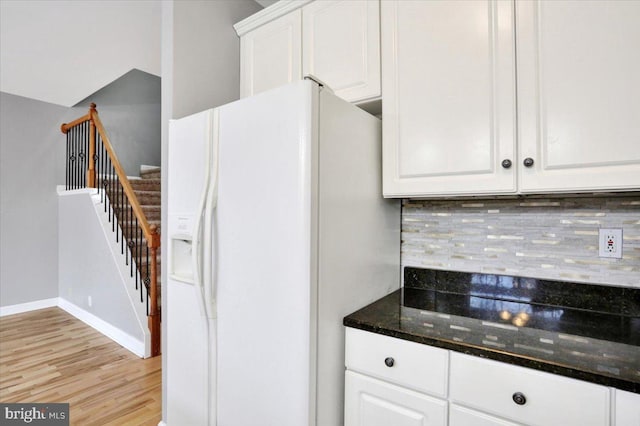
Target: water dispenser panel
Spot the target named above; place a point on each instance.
(181, 264)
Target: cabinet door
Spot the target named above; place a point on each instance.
(627, 408)
(341, 46)
(461, 416)
(578, 95)
(371, 402)
(448, 78)
(270, 55)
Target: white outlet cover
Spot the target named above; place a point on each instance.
(610, 242)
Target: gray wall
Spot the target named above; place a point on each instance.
(129, 109)
(206, 53)
(90, 265)
(200, 70)
(552, 238)
(31, 164)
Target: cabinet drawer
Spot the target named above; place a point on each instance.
(461, 416)
(491, 387)
(413, 365)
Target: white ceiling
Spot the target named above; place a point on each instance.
(62, 51)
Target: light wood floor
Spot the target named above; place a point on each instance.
(50, 356)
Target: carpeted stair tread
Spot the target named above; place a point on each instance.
(148, 197)
(145, 184)
(154, 173)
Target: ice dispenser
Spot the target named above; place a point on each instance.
(181, 263)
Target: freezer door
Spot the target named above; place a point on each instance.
(262, 258)
(187, 162)
(187, 354)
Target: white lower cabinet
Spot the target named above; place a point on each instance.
(393, 382)
(524, 395)
(627, 408)
(372, 402)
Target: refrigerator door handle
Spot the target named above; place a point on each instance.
(209, 251)
(197, 250)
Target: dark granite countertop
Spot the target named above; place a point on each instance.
(583, 331)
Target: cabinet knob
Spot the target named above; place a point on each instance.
(389, 362)
(519, 398)
(506, 163)
(528, 162)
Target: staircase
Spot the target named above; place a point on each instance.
(131, 205)
(148, 192)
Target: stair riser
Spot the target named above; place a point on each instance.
(148, 198)
(155, 174)
(146, 185)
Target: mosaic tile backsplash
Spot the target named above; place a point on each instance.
(554, 238)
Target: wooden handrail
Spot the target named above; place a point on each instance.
(153, 239)
(150, 232)
(64, 128)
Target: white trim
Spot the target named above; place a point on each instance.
(162, 423)
(64, 192)
(28, 306)
(268, 14)
(126, 340)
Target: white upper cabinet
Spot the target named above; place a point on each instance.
(579, 95)
(449, 75)
(270, 55)
(337, 41)
(341, 46)
(448, 81)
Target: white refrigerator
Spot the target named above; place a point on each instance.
(277, 230)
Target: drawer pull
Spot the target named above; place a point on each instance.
(389, 362)
(519, 398)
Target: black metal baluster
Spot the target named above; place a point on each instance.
(82, 156)
(147, 280)
(107, 194)
(103, 167)
(103, 163)
(71, 161)
(121, 213)
(73, 158)
(86, 152)
(66, 172)
(112, 197)
(139, 237)
(76, 158)
(97, 168)
(118, 205)
(131, 242)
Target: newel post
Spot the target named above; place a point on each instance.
(154, 311)
(91, 172)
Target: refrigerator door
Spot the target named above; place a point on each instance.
(187, 354)
(263, 258)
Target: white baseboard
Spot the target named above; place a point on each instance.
(126, 340)
(162, 423)
(29, 306)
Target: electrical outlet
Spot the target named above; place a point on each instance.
(89, 301)
(610, 243)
